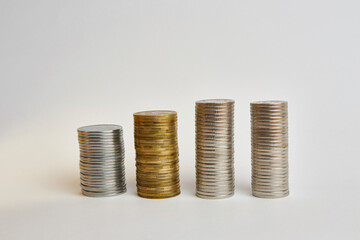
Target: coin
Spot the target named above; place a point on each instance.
(269, 144)
(214, 148)
(157, 162)
(102, 171)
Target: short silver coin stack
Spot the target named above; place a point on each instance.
(215, 148)
(102, 171)
(269, 137)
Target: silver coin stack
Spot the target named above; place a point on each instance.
(215, 148)
(269, 137)
(102, 171)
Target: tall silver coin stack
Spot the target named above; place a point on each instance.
(269, 137)
(215, 148)
(102, 171)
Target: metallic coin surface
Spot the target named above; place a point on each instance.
(157, 161)
(269, 149)
(214, 148)
(102, 171)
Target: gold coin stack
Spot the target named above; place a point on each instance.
(269, 137)
(157, 154)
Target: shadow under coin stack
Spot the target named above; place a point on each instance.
(157, 163)
(215, 148)
(101, 160)
(269, 136)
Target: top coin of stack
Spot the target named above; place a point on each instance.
(269, 135)
(215, 148)
(102, 171)
(157, 163)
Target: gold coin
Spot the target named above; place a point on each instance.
(157, 162)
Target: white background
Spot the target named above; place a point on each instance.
(65, 64)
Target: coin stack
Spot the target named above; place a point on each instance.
(215, 148)
(269, 136)
(157, 163)
(102, 171)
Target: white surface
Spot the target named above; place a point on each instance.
(65, 64)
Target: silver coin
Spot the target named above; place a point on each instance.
(269, 136)
(207, 195)
(101, 194)
(214, 148)
(100, 128)
(101, 160)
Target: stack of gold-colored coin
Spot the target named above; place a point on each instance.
(157, 162)
(269, 128)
